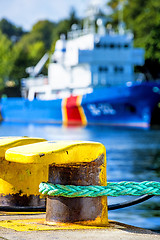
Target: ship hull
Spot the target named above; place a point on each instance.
(137, 105)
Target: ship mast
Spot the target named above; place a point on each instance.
(93, 13)
(121, 24)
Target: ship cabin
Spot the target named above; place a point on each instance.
(94, 60)
(92, 57)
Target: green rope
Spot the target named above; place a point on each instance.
(112, 189)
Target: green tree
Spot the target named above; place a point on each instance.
(31, 47)
(64, 26)
(143, 18)
(36, 50)
(12, 31)
(43, 30)
(27, 53)
(34, 44)
(6, 59)
(21, 60)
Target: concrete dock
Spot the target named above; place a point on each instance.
(31, 226)
(74, 163)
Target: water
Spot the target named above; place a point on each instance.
(132, 155)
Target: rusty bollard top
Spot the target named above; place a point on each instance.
(71, 163)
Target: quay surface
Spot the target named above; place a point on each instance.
(115, 230)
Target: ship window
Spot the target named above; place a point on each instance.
(126, 45)
(97, 45)
(115, 69)
(119, 45)
(130, 108)
(105, 45)
(103, 69)
(112, 45)
(118, 69)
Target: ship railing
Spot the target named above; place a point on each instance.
(79, 33)
(139, 77)
(31, 81)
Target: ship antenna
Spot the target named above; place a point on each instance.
(121, 25)
(95, 15)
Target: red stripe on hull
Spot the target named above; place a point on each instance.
(72, 111)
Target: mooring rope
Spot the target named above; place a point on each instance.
(113, 189)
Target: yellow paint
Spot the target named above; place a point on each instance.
(9, 142)
(62, 152)
(81, 111)
(21, 178)
(16, 177)
(103, 182)
(38, 155)
(64, 112)
(3, 213)
(39, 225)
(80, 108)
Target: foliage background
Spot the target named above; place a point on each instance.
(20, 49)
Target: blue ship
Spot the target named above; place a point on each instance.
(90, 80)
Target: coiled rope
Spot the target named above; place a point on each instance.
(113, 189)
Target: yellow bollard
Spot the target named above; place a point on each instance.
(74, 163)
(17, 180)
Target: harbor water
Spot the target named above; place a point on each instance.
(132, 155)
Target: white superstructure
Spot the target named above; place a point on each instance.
(95, 60)
(91, 57)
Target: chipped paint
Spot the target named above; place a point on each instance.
(55, 152)
(15, 177)
(37, 157)
(41, 225)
